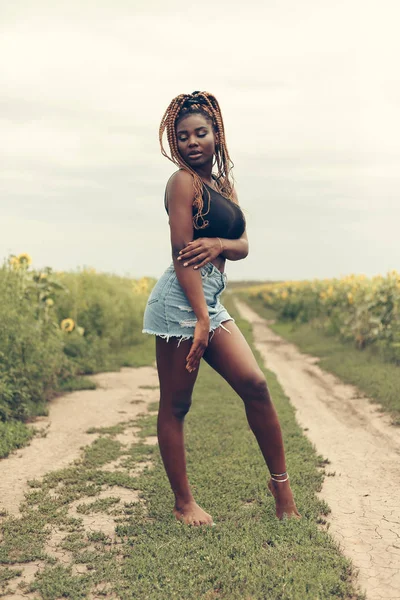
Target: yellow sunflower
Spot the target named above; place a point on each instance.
(24, 259)
(67, 325)
(330, 291)
(14, 262)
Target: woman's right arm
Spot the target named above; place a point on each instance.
(180, 202)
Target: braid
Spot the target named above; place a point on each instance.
(206, 104)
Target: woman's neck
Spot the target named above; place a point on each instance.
(205, 173)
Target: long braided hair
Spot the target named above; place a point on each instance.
(207, 105)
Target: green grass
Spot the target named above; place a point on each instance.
(77, 383)
(7, 574)
(249, 554)
(141, 355)
(16, 434)
(378, 379)
(13, 435)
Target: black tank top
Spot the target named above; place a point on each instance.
(225, 218)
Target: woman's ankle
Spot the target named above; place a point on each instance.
(183, 499)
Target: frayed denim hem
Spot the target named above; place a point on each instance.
(184, 338)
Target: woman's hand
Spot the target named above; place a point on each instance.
(199, 345)
(200, 252)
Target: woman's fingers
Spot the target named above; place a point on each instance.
(191, 254)
(199, 252)
(193, 360)
(195, 261)
(191, 354)
(199, 344)
(194, 356)
(203, 263)
(189, 250)
(193, 365)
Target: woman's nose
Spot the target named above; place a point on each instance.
(192, 142)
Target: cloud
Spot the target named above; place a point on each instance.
(310, 104)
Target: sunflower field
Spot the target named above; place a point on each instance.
(364, 311)
(57, 326)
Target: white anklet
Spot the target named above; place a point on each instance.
(280, 480)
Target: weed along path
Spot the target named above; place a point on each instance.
(363, 450)
(62, 497)
(120, 396)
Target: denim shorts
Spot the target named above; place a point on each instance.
(168, 312)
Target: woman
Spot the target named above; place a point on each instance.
(184, 311)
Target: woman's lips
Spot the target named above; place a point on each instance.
(194, 155)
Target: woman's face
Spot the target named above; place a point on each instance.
(196, 140)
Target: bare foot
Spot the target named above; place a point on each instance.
(285, 504)
(192, 514)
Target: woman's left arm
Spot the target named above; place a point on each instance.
(235, 249)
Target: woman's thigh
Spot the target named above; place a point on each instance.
(175, 379)
(231, 356)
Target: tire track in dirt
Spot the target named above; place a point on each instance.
(364, 453)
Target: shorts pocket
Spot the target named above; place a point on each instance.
(158, 289)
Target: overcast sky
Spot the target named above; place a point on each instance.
(310, 95)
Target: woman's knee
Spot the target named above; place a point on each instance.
(181, 407)
(254, 387)
(178, 404)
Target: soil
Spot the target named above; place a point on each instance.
(118, 398)
(363, 450)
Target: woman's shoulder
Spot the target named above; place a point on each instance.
(179, 186)
(180, 179)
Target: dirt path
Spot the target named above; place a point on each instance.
(117, 398)
(364, 453)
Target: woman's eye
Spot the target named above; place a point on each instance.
(184, 138)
